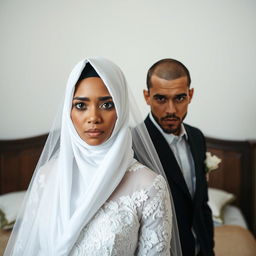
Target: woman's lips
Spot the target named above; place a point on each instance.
(94, 132)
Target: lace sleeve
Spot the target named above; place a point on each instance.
(156, 221)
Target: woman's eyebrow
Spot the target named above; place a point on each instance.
(105, 98)
(81, 98)
(88, 99)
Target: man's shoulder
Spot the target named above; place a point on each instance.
(193, 130)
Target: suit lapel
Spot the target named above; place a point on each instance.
(194, 151)
(167, 158)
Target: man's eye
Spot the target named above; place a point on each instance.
(161, 99)
(180, 98)
(80, 106)
(107, 105)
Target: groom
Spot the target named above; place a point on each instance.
(181, 149)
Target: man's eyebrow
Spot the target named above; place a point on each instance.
(88, 99)
(181, 95)
(159, 95)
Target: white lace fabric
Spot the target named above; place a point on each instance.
(136, 220)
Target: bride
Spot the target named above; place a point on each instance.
(88, 195)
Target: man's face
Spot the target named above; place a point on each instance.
(169, 101)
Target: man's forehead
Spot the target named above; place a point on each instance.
(158, 83)
(168, 91)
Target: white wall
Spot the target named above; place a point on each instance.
(42, 40)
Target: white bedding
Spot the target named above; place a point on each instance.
(232, 215)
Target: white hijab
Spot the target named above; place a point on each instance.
(73, 179)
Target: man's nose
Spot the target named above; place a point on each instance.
(171, 107)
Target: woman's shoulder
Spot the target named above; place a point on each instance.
(138, 179)
(143, 177)
(139, 169)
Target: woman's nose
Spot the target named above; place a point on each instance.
(94, 116)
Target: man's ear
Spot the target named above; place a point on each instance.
(191, 93)
(146, 96)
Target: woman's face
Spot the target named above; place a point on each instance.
(93, 112)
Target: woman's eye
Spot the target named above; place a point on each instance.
(107, 105)
(80, 106)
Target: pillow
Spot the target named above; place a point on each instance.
(10, 204)
(217, 200)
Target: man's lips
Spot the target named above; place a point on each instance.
(94, 132)
(170, 120)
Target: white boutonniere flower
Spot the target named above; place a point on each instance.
(211, 162)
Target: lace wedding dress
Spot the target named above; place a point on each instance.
(136, 220)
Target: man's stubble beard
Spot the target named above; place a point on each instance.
(170, 130)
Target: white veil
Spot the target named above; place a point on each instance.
(147, 155)
(64, 193)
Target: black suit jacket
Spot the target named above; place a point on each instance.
(190, 212)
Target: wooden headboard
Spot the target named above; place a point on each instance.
(18, 159)
(236, 174)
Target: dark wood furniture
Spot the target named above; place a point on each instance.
(236, 174)
(18, 159)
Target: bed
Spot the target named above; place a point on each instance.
(235, 178)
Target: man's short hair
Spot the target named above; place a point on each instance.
(168, 69)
